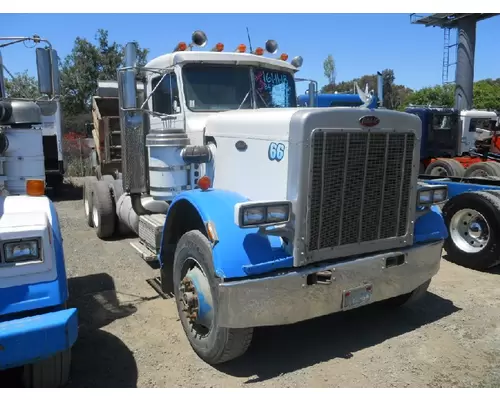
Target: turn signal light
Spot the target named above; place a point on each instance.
(204, 183)
(35, 187)
(284, 57)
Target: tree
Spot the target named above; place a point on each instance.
(441, 95)
(329, 69)
(85, 65)
(487, 94)
(21, 85)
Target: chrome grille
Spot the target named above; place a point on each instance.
(360, 187)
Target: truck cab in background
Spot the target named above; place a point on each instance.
(261, 212)
(456, 143)
(51, 112)
(52, 142)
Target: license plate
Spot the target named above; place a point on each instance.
(356, 297)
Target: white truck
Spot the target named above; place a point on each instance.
(260, 212)
(37, 328)
(51, 115)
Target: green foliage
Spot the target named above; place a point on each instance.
(329, 69)
(441, 95)
(85, 65)
(21, 85)
(487, 94)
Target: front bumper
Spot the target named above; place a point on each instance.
(27, 340)
(289, 297)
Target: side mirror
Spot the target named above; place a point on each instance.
(47, 63)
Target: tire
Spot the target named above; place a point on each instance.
(483, 169)
(103, 215)
(107, 178)
(87, 199)
(481, 250)
(408, 298)
(52, 372)
(219, 344)
(445, 167)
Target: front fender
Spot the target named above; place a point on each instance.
(238, 252)
(430, 226)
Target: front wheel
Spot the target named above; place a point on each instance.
(52, 372)
(473, 221)
(196, 295)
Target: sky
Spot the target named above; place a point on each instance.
(360, 43)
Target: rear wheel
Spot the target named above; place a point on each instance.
(484, 169)
(473, 221)
(196, 295)
(52, 372)
(87, 198)
(445, 167)
(103, 215)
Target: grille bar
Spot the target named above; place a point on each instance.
(360, 187)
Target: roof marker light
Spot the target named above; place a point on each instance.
(182, 46)
(259, 51)
(218, 47)
(241, 48)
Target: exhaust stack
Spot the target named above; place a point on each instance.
(132, 127)
(380, 89)
(2, 81)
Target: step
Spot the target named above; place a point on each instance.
(146, 253)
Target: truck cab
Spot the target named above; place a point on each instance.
(441, 133)
(450, 140)
(261, 212)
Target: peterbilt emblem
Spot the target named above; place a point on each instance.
(369, 120)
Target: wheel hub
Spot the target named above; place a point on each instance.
(189, 299)
(469, 230)
(439, 171)
(196, 298)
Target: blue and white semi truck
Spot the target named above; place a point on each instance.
(37, 329)
(261, 212)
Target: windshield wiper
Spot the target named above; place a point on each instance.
(245, 98)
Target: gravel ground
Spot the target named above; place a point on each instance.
(131, 337)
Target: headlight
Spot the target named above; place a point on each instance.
(256, 213)
(22, 250)
(432, 194)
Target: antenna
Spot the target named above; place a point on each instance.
(249, 41)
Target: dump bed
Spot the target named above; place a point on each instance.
(106, 118)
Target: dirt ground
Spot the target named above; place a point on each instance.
(131, 337)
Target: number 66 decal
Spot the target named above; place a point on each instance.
(276, 151)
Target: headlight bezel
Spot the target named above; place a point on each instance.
(266, 208)
(22, 260)
(431, 190)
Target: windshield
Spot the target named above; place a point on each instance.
(221, 88)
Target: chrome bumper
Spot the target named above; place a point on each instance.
(290, 297)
